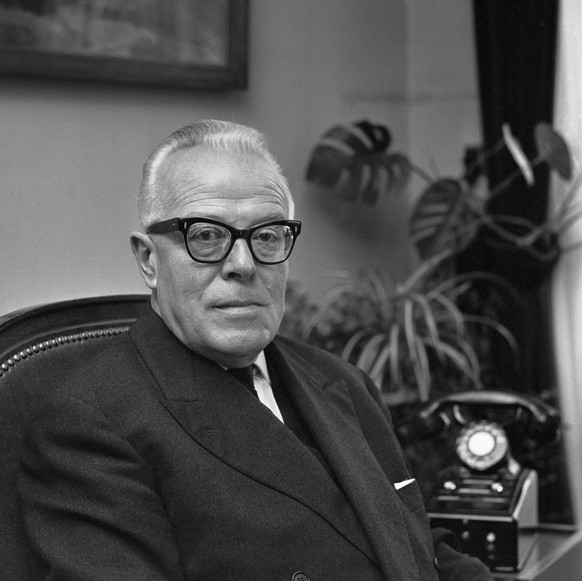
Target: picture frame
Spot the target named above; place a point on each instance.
(195, 44)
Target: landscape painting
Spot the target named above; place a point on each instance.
(198, 43)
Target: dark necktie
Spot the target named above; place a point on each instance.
(245, 376)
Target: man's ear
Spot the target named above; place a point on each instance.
(145, 254)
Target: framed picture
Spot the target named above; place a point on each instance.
(199, 44)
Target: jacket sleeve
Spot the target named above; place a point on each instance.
(452, 564)
(89, 503)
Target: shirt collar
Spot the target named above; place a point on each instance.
(261, 363)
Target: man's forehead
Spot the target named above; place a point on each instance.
(201, 166)
(198, 177)
(199, 158)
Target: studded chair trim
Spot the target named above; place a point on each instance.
(55, 342)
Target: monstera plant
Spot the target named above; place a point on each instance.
(450, 213)
(356, 164)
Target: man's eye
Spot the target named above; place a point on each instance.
(270, 235)
(206, 234)
(267, 235)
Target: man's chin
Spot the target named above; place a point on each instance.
(239, 346)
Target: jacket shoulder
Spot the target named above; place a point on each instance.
(322, 359)
(321, 362)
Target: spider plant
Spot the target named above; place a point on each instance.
(399, 333)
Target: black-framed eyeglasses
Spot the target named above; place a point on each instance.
(210, 241)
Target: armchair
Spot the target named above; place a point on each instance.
(37, 346)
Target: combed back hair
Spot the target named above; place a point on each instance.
(219, 136)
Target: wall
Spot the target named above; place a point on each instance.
(71, 153)
(443, 104)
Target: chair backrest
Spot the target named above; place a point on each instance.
(37, 347)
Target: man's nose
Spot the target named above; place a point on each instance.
(240, 261)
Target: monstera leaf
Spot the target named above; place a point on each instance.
(352, 162)
(444, 217)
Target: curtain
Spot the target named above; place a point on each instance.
(516, 43)
(516, 46)
(567, 277)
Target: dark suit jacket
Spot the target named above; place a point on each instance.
(152, 463)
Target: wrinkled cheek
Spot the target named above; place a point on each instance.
(277, 293)
(274, 320)
(277, 309)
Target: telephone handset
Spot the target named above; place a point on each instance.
(487, 498)
(482, 441)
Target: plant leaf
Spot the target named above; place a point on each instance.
(501, 330)
(428, 315)
(424, 270)
(552, 147)
(370, 352)
(352, 343)
(394, 342)
(443, 217)
(462, 357)
(378, 370)
(398, 171)
(421, 369)
(410, 330)
(518, 155)
(383, 289)
(451, 309)
(353, 162)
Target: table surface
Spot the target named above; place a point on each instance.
(555, 555)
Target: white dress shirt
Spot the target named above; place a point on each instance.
(263, 385)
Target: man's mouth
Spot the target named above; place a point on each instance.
(238, 305)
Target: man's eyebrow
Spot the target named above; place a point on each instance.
(256, 221)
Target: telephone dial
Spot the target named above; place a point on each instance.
(486, 497)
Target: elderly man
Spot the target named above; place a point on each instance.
(201, 446)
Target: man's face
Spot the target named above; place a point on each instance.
(228, 311)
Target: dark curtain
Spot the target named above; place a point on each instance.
(516, 46)
(516, 54)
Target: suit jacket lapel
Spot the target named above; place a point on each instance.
(329, 415)
(229, 422)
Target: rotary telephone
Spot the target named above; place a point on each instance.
(486, 497)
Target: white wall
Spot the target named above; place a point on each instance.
(443, 106)
(71, 154)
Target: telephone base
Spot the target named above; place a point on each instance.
(486, 527)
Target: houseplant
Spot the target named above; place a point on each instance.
(452, 212)
(414, 332)
(439, 329)
(411, 337)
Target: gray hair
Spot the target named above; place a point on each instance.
(220, 136)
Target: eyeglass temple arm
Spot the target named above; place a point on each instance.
(165, 226)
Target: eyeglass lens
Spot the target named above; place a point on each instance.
(211, 242)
